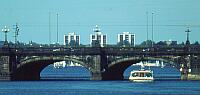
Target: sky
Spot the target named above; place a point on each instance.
(170, 20)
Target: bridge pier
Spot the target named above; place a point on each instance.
(190, 68)
(184, 74)
(185, 67)
(96, 71)
(194, 74)
(195, 68)
(7, 67)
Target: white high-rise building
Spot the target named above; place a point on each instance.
(126, 38)
(72, 39)
(98, 37)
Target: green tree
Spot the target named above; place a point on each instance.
(161, 43)
(196, 43)
(147, 43)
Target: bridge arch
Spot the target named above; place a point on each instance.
(30, 68)
(116, 68)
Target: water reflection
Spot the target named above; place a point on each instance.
(81, 73)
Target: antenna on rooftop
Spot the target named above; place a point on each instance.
(188, 41)
(152, 29)
(49, 28)
(16, 33)
(147, 29)
(57, 28)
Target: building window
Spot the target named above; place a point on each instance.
(104, 39)
(132, 39)
(93, 36)
(126, 37)
(72, 37)
(121, 38)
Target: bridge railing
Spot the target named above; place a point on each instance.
(105, 50)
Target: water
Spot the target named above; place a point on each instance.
(86, 87)
(165, 73)
(68, 73)
(99, 88)
(76, 73)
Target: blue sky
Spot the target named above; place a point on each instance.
(171, 18)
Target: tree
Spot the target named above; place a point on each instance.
(147, 43)
(120, 43)
(161, 43)
(96, 43)
(182, 43)
(196, 43)
(124, 43)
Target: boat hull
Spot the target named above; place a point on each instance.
(141, 79)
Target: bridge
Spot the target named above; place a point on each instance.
(104, 63)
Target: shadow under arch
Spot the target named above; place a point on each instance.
(117, 68)
(30, 69)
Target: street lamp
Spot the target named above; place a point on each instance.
(5, 30)
(152, 30)
(188, 41)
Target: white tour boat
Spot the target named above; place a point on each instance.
(141, 75)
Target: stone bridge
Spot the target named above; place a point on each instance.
(104, 63)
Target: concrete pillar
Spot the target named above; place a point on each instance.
(194, 73)
(184, 74)
(184, 67)
(96, 71)
(5, 68)
(190, 67)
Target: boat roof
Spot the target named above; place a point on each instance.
(142, 71)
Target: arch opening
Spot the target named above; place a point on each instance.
(161, 71)
(34, 69)
(65, 72)
(123, 68)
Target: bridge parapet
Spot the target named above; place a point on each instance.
(100, 59)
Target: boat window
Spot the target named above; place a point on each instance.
(141, 74)
(135, 74)
(148, 74)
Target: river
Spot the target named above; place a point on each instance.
(75, 81)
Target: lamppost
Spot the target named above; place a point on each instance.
(188, 41)
(5, 30)
(152, 30)
(16, 33)
(147, 29)
(57, 29)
